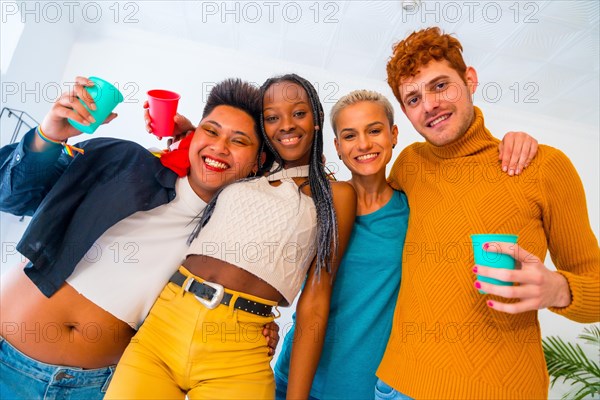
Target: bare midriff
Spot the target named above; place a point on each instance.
(64, 329)
(68, 329)
(231, 277)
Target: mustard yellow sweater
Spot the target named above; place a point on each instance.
(445, 342)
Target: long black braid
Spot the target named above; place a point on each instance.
(327, 238)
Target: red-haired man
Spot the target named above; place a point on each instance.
(449, 341)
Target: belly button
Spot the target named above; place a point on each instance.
(71, 325)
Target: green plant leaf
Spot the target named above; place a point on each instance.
(568, 362)
(591, 335)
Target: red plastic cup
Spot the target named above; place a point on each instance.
(162, 106)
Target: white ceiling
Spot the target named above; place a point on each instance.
(541, 56)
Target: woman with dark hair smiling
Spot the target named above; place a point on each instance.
(66, 318)
(254, 246)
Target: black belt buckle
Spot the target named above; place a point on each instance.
(217, 296)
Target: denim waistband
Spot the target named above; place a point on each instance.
(75, 376)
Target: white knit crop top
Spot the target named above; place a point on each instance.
(269, 231)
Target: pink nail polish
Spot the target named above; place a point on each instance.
(490, 304)
(474, 269)
(486, 246)
(478, 285)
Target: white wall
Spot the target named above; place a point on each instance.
(34, 77)
(138, 62)
(189, 69)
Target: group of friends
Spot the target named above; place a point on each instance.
(195, 250)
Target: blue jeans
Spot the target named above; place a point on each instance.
(281, 389)
(22, 377)
(383, 391)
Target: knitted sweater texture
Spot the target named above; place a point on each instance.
(446, 343)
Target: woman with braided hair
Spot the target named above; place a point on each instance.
(254, 246)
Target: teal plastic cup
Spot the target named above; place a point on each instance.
(492, 259)
(106, 97)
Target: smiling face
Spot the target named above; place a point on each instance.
(438, 102)
(224, 149)
(289, 122)
(364, 138)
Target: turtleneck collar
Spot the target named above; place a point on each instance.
(476, 139)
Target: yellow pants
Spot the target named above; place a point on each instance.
(185, 348)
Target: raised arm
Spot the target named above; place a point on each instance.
(182, 127)
(312, 311)
(29, 169)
